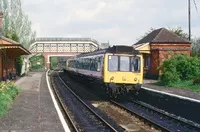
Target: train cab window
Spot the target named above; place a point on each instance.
(135, 64)
(113, 63)
(124, 63)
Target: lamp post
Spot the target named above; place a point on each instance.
(189, 20)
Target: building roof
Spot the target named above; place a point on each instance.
(114, 49)
(162, 35)
(14, 46)
(65, 39)
(9, 40)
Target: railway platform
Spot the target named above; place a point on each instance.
(33, 109)
(175, 92)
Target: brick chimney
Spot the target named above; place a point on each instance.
(1, 22)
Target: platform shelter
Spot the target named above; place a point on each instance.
(159, 45)
(9, 51)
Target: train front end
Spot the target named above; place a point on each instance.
(123, 72)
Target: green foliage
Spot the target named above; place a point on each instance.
(16, 22)
(19, 65)
(196, 81)
(8, 92)
(53, 62)
(34, 62)
(179, 32)
(179, 67)
(188, 85)
(37, 66)
(4, 104)
(195, 47)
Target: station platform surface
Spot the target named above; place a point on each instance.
(33, 109)
(176, 92)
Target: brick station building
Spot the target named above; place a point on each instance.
(9, 51)
(159, 45)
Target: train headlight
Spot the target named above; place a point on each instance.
(135, 79)
(112, 78)
(123, 78)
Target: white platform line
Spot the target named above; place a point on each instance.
(63, 122)
(174, 95)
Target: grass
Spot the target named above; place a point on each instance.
(8, 92)
(188, 85)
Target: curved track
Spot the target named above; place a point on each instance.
(63, 107)
(80, 114)
(160, 119)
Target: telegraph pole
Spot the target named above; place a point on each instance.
(189, 17)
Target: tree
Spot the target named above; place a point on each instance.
(179, 32)
(16, 21)
(195, 51)
(16, 26)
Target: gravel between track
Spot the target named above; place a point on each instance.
(124, 119)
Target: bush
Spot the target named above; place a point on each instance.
(179, 67)
(8, 91)
(36, 67)
(196, 81)
(19, 64)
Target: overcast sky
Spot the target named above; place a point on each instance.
(119, 21)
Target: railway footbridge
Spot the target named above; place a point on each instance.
(49, 47)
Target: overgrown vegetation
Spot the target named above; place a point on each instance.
(53, 62)
(8, 92)
(181, 69)
(37, 62)
(19, 64)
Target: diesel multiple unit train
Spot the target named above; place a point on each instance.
(117, 69)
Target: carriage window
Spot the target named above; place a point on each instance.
(135, 64)
(124, 63)
(113, 63)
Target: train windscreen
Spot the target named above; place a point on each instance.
(123, 63)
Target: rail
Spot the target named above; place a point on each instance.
(63, 107)
(106, 124)
(163, 127)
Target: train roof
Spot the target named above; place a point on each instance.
(114, 49)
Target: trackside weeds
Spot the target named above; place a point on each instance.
(8, 92)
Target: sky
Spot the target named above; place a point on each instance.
(116, 21)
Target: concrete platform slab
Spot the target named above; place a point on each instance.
(175, 92)
(33, 109)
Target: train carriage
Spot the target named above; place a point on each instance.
(119, 69)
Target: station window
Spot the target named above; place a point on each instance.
(147, 63)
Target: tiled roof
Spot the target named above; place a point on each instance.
(9, 40)
(162, 35)
(14, 43)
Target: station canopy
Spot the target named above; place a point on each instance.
(12, 48)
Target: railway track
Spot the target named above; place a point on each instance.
(157, 118)
(80, 114)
